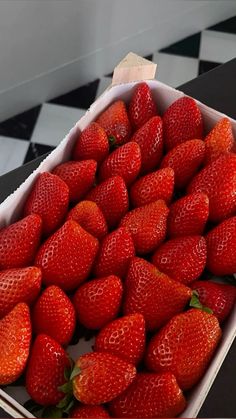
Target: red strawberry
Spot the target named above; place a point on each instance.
(45, 371)
(102, 377)
(218, 182)
(54, 315)
(220, 298)
(78, 175)
(124, 337)
(115, 252)
(90, 217)
(185, 346)
(18, 285)
(142, 106)
(153, 294)
(221, 245)
(115, 122)
(87, 411)
(185, 160)
(154, 186)
(182, 121)
(219, 141)
(150, 140)
(92, 144)
(19, 242)
(124, 161)
(150, 396)
(188, 215)
(67, 256)
(112, 198)
(182, 258)
(49, 198)
(97, 302)
(147, 225)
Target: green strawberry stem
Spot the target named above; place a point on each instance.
(112, 140)
(195, 303)
(65, 405)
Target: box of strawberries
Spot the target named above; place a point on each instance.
(117, 258)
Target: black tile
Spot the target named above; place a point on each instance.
(20, 126)
(188, 47)
(82, 97)
(205, 66)
(35, 150)
(228, 26)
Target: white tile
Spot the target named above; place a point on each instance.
(175, 70)
(217, 46)
(12, 153)
(54, 122)
(103, 84)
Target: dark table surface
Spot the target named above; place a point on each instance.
(217, 89)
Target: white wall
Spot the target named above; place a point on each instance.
(50, 46)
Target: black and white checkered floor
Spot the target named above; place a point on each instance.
(39, 130)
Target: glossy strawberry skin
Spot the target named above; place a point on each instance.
(112, 198)
(182, 121)
(67, 256)
(188, 215)
(147, 225)
(19, 242)
(185, 159)
(218, 182)
(79, 177)
(142, 106)
(18, 285)
(221, 245)
(150, 396)
(87, 411)
(49, 198)
(153, 294)
(92, 144)
(182, 258)
(97, 302)
(45, 371)
(154, 186)
(150, 140)
(124, 337)
(125, 161)
(115, 122)
(219, 140)
(185, 346)
(54, 315)
(102, 377)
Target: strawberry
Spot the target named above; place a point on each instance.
(220, 298)
(78, 175)
(185, 346)
(150, 396)
(87, 411)
(147, 225)
(218, 182)
(67, 256)
(188, 215)
(219, 141)
(115, 252)
(182, 121)
(54, 315)
(49, 198)
(153, 294)
(221, 245)
(90, 217)
(97, 302)
(150, 140)
(19, 242)
(112, 198)
(115, 122)
(182, 258)
(101, 378)
(185, 159)
(92, 144)
(18, 285)
(124, 161)
(45, 372)
(15, 337)
(154, 186)
(124, 337)
(142, 106)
